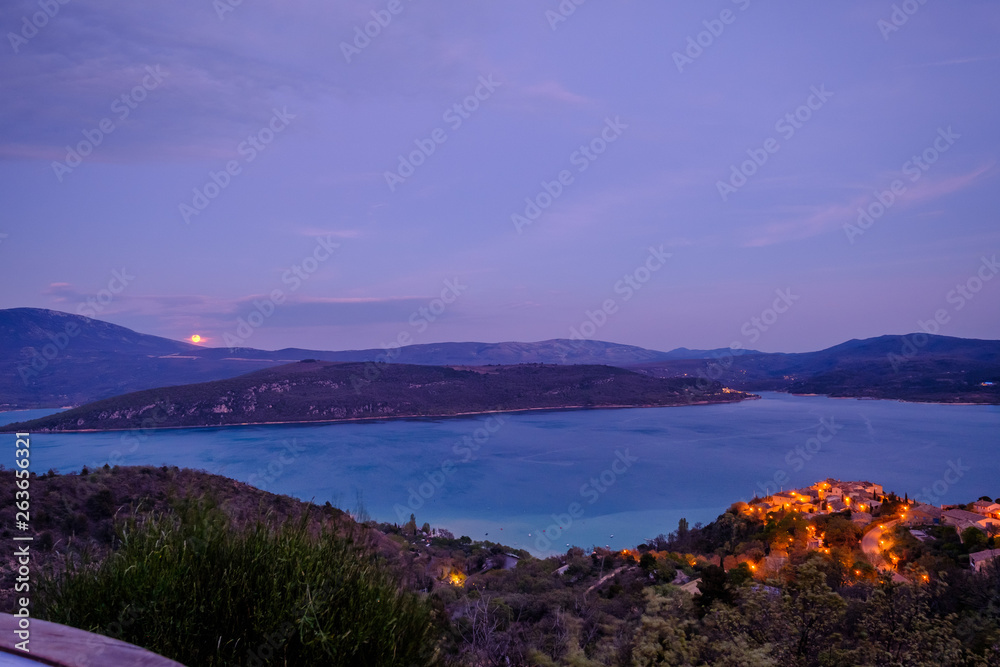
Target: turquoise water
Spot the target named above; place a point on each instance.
(579, 476)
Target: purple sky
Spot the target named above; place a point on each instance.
(669, 129)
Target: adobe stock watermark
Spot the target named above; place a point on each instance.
(562, 12)
(591, 491)
(714, 28)
(269, 650)
(93, 306)
(135, 437)
(914, 169)
(958, 298)
(627, 287)
(756, 325)
(436, 479)
(454, 116)
(31, 25)
(38, 360)
(751, 330)
(899, 17)
(223, 7)
(91, 655)
(786, 127)
(275, 468)
(420, 319)
(294, 277)
(248, 149)
(122, 107)
(364, 34)
(581, 158)
(797, 457)
(932, 495)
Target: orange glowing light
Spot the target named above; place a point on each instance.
(196, 338)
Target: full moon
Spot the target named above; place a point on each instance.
(196, 338)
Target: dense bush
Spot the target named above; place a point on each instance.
(191, 587)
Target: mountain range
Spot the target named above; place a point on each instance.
(915, 367)
(53, 359)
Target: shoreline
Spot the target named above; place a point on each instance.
(353, 420)
(897, 400)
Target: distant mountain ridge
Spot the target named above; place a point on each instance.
(50, 358)
(915, 367)
(53, 359)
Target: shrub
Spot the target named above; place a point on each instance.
(194, 588)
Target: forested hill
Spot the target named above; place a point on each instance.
(315, 391)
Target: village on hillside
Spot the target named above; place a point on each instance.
(869, 531)
(875, 512)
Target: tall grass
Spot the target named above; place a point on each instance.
(194, 588)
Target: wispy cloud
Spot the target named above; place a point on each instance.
(313, 232)
(192, 312)
(960, 61)
(807, 221)
(224, 76)
(553, 91)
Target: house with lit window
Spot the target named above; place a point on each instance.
(962, 519)
(987, 508)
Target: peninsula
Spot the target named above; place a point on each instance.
(317, 391)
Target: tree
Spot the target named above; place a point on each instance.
(973, 538)
(714, 586)
(647, 562)
(842, 532)
(752, 634)
(813, 610)
(667, 635)
(739, 575)
(901, 629)
(487, 635)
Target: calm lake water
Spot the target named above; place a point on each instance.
(630, 474)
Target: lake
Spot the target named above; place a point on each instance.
(540, 480)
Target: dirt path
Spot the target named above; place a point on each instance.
(600, 581)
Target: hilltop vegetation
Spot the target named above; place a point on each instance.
(53, 359)
(323, 391)
(211, 572)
